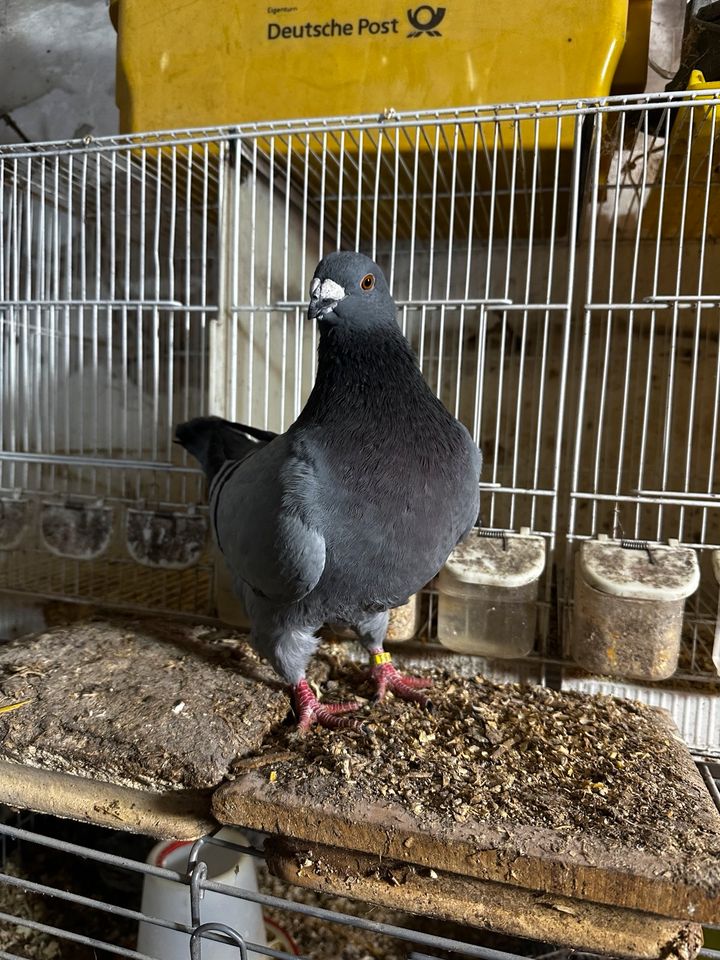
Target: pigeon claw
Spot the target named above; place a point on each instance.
(387, 679)
(310, 711)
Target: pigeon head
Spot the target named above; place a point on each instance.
(349, 289)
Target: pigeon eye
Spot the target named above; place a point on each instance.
(367, 282)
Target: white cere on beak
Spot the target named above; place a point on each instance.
(331, 290)
(315, 287)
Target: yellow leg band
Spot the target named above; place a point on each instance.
(378, 658)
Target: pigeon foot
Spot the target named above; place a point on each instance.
(310, 710)
(387, 678)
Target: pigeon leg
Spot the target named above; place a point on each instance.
(388, 679)
(310, 710)
(371, 634)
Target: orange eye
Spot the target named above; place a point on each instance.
(367, 282)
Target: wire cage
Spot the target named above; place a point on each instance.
(553, 267)
(107, 262)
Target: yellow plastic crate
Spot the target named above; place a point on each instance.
(684, 198)
(631, 71)
(214, 62)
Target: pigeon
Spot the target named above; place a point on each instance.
(355, 507)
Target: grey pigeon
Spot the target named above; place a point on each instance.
(356, 506)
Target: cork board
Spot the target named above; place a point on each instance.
(391, 884)
(132, 723)
(591, 798)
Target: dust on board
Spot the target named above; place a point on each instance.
(505, 753)
(150, 704)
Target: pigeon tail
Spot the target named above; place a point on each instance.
(213, 441)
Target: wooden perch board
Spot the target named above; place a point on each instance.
(578, 925)
(131, 723)
(181, 814)
(590, 798)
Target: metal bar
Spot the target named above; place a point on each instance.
(586, 329)
(220, 391)
(602, 388)
(268, 286)
(468, 113)
(629, 355)
(572, 537)
(98, 856)
(540, 419)
(487, 954)
(497, 487)
(651, 346)
(711, 300)
(639, 499)
(73, 937)
(468, 269)
(360, 923)
(251, 255)
(420, 304)
(523, 337)
(687, 494)
(80, 460)
(672, 402)
(143, 304)
(90, 903)
(711, 784)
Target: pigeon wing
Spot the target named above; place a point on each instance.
(262, 512)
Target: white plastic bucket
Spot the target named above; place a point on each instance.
(169, 900)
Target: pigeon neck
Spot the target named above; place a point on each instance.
(373, 372)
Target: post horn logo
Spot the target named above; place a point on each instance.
(425, 20)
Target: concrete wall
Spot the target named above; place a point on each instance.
(57, 70)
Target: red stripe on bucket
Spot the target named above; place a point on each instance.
(169, 848)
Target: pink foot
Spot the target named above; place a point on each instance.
(387, 678)
(309, 710)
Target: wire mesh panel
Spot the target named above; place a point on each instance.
(473, 221)
(108, 260)
(553, 267)
(645, 464)
(645, 459)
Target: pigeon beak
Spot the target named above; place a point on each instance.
(324, 297)
(314, 307)
(320, 308)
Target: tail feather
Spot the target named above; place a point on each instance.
(213, 441)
